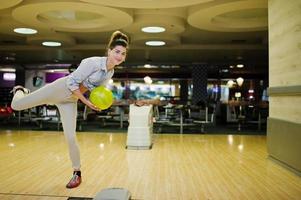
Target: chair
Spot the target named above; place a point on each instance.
(48, 114)
(206, 116)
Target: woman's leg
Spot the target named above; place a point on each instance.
(51, 93)
(68, 113)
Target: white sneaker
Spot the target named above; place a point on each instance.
(19, 87)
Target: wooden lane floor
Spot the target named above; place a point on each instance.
(35, 165)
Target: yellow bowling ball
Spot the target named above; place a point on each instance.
(101, 97)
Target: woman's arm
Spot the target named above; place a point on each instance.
(146, 102)
(83, 99)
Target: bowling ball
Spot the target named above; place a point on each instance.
(101, 97)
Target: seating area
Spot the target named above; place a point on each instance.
(184, 116)
(167, 118)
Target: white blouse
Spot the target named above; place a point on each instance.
(91, 72)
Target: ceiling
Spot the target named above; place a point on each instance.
(216, 33)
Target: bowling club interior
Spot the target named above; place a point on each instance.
(200, 70)
(217, 67)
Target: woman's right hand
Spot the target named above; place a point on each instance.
(84, 100)
(92, 106)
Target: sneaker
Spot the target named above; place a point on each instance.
(19, 87)
(74, 182)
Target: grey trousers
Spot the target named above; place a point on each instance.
(58, 94)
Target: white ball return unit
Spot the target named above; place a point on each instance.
(140, 128)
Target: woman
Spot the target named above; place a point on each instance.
(66, 91)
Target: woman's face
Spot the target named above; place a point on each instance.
(117, 54)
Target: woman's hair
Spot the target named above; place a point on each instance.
(118, 38)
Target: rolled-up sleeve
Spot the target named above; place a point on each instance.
(84, 70)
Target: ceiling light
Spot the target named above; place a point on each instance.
(57, 70)
(148, 80)
(155, 43)
(7, 69)
(153, 29)
(240, 81)
(230, 83)
(51, 44)
(25, 31)
(237, 94)
(147, 66)
(240, 66)
(62, 65)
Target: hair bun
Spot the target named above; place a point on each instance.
(119, 35)
(118, 38)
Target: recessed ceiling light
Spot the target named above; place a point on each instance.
(148, 80)
(25, 31)
(230, 83)
(153, 29)
(51, 44)
(7, 70)
(155, 43)
(240, 66)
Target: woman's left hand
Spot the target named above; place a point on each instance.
(140, 103)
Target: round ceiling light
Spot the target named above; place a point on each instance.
(148, 80)
(51, 44)
(25, 31)
(153, 29)
(155, 43)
